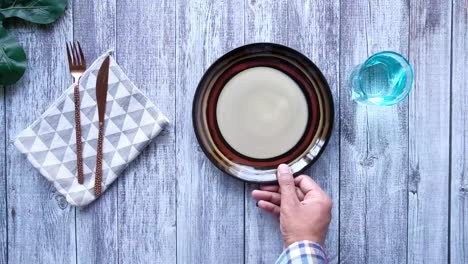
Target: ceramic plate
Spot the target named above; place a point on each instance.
(245, 100)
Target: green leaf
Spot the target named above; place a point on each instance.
(6, 3)
(12, 58)
(35, 11)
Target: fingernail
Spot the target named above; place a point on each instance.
(284, 169)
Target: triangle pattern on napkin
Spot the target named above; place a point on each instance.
(131, 122)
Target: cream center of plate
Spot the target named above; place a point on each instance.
(262, 113)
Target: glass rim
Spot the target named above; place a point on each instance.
(408, 68)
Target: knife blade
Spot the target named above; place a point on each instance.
(101, 98)
(101, 88)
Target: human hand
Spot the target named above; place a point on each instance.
(303, 208)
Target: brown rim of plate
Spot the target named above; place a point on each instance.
(298, 67)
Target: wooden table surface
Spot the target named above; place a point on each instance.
(398, 176)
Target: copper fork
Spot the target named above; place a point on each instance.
(77, 64)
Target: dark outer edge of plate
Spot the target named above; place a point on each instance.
(327, 93)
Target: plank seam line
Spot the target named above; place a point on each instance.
(366, 194)
(450, 139)
(176, 183)
(339, 131)
(5, 174)
(408, 109)
(117, 231)
(71, 6)
(245, 184)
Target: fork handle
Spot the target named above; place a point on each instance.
(98, 180)
(79, 147)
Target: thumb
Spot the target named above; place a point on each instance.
(286, 184)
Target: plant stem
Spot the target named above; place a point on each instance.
(22, 7)
(29, 6)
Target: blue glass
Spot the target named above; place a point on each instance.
(384, 79)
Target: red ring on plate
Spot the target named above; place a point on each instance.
(306, 88)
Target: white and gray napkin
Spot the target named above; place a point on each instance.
(131, 122)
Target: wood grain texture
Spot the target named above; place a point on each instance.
(265, 21)
(3, 182)
(210, 204)
(429, 120)
(388, 170)
(314, 28)
(373, 140)
(96, 225)
(147, 193)
(41, 224)
(459, 144)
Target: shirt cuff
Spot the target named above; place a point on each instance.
(303, 252)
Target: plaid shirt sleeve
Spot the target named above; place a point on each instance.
(303, 252)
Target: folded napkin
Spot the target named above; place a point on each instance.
(131, 122)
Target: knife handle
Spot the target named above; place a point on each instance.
(79, 147)
(98, 180)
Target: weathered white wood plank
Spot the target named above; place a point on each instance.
(3, 187)
(314, 28)
(265, 21)
(373, 140)
(210, 204)
(96, 225)
(459, 144)
(41, 224)
(429, 132)
(146, 193)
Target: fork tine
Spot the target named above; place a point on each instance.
(72, 51)
(70, 62)
(82, 58)
(75, 52)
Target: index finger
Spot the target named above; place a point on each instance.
(270, 188)
(307, 184)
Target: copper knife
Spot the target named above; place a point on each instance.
(101, 98)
